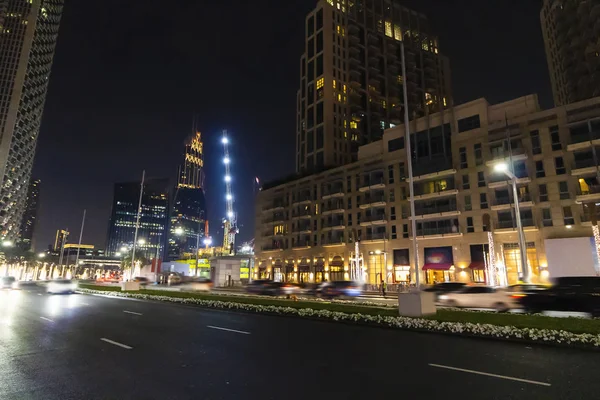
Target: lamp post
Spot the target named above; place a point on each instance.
(503, 167)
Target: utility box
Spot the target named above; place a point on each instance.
(571, 257)
(229, 271)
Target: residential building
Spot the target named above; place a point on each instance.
(571, 30)
(464, 210)
(188, 216)
(351, 82)
(28, 33)
(29, 221)
(153, 217)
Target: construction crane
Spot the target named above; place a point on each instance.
(230, 228)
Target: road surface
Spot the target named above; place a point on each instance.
(93, 347)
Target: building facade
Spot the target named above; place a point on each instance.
(571, 30)
(351, 83)
(313, 228)
(153, 217)
(29, 221)
(60, 240)
(28, 33)
(188, 216)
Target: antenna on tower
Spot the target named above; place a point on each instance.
(230, 228)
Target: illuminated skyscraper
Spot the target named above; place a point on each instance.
(28, 33)
(188, 216)
(351, 83)
(29, 220)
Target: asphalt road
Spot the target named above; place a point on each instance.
(92, 347)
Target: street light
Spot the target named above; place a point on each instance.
(141, 242)
(226, 160)
(179, 231)
(207, 241)
(227, 178)
(41, 255)
(117, 254)
(123, 249)
(7, 243)
(503, 167)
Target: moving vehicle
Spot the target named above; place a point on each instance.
(257, 286)
(62, 286)
(479, 297)
(272, 288)
(445, 287)
(143, 281)
(9, 282)
(174, 279)
(199, 285)
(577, 293)
(340, 288)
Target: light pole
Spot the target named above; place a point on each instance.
(503, 167)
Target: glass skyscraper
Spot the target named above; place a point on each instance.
(28, 33)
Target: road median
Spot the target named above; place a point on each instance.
(527, 328)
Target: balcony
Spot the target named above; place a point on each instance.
(333, 209)
(373, 183)
(432, 168)
(302, 214)
(377, 219)
(274, 206)
(272, 247)
(509, 226)
(373, 201)
(333, 192)
(583, 167)
(505, 202)
(302, 230)
(275, 220)
(500, 180)
(590, 194)
(334, 241)
(438, 211)
(306, 199)
(334, 225)
(421, 194)
(440, 232)
(517, 154)
(374, 237)
(300, 245)
(583, 140)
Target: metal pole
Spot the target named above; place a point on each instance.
(137, 225)
(156, 261)
(80, 235)
(522, 243)
(410, 173)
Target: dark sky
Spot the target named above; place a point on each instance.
(128, 77)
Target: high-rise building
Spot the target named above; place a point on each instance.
(29, 220)
(571, 30)
(351, 83)
(28, 33)
(188, 215)
(60, 240)
(153, 217)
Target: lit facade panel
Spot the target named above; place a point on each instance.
(28, 34)
(29, 220)
(306, 227)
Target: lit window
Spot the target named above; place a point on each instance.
(425, 46)
(400, 79)
(428, 99)
(382, 124)
(344, 88)
(334, 83)
(320, 83)
(345, 124)
(339, 97)
(330, 2)
(353, 125)
(445, 102)
(388, 28)
(397, 32)
(383, 103)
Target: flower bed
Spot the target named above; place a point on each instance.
(549, 336)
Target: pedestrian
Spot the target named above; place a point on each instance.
(383, 287)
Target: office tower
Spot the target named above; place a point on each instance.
(153, 217)
(28, 33)
(189, 206)
(29, 220)
(571, 30)
(351, 83)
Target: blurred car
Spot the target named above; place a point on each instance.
(9, 282)
(257, 286)
(340, 289)
(445, 287)
(480, 297)
(521, 289)
(174, 279)
(577, 293)
(280, 289)
(315, 289)
(143, 281)
(199, 285)
(62, 286)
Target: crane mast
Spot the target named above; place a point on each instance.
(230, 228)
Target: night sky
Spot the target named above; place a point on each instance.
(129, 76)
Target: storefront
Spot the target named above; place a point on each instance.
(263, 272)
(375, 267)
(512, 262)
(439, 265)
(336, 269)
(277, 270)
(290, 275)
(304, 271)
(401, 267)
(479, 258)
(319, 270)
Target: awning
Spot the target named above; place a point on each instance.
(477, 265)
(437, 267)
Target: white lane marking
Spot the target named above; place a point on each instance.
(227, 329)
(116, 343)
(510, 378)
(131, 312)
(46, 319)
(39, 294)
(84, 304)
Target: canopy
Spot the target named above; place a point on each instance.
(437, 267)
(477, 265)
